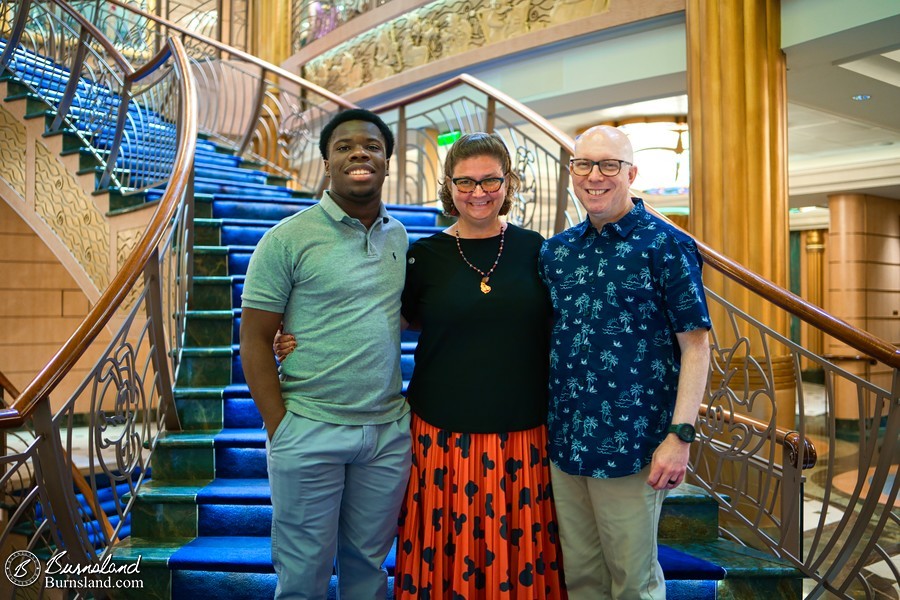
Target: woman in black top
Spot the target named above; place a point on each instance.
(478, 521)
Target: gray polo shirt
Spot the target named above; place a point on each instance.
(338, 286)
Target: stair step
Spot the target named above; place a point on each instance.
(205, 367)
(242, 564)
(228, 454)
(749, 573)
(212, 292)
(250, 188)
(689, 514)
(209, 328)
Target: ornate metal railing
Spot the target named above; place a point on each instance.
(822, 495)
(221, 20)
(426, 123)
(128, 393)
(258, 110)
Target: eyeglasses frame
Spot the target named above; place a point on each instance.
(478, 183)
(599, 168)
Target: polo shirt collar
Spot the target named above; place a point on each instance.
(337, 213)
(622, 227)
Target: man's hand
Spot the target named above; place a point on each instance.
(669, 464)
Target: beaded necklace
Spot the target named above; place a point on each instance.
(485, 277)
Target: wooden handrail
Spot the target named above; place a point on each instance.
(802, 458)
(154, 63)
(249, 58)
(121, 285)
(863, 341)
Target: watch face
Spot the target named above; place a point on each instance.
(686, 432)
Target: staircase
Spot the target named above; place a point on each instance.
(201, 527)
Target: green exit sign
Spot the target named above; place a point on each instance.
(445, 139)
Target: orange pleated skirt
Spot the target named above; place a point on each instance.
(478, 521)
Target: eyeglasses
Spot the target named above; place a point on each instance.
(467, 185)
(609, 167)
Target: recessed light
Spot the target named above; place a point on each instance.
(861, 97)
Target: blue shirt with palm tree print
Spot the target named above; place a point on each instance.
(619, 297)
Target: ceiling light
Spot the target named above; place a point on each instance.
(861, 97)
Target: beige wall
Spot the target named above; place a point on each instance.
(40, 306)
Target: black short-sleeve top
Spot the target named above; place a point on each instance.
(482, 359)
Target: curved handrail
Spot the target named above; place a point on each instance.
(121, 285)
(863, 341)
(249, 58)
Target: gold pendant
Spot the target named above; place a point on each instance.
(485, 288)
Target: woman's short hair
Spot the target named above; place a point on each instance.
(470, 146)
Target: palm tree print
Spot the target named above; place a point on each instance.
(590, 378)
(560, 253)
(623, 248)
(609, 360)
(640, 426)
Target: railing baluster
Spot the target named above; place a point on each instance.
(158, 343)
(72, 85)
(56, 478)
(16, 34)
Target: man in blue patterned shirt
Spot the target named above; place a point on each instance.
(629, 363)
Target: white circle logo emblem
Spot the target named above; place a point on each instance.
(22, 568)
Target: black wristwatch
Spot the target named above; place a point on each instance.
(684, 431)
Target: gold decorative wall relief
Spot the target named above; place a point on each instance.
(12, 152)
(70, 213)
(436, 31)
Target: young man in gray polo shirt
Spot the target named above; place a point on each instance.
(338, 445)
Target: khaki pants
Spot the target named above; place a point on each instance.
(608, 532)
